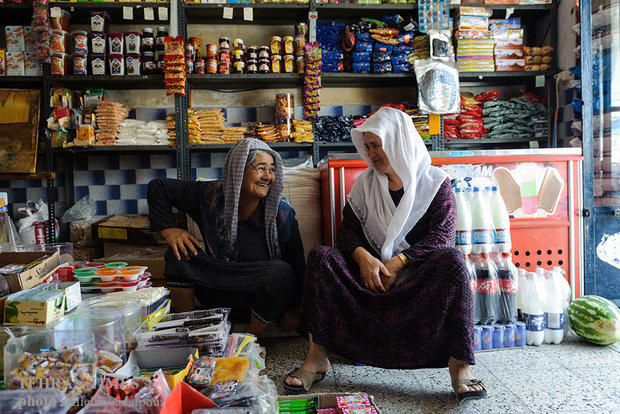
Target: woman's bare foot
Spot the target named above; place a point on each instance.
(460, 370)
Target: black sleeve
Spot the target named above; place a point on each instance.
(293, 254)
(164, 193)
(351, 234)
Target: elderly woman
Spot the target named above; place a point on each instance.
(253, 261)
(395, 293)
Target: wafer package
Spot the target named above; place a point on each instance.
(550, 190)
(508, 188)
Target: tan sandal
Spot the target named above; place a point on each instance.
(469, 395)
(307, 378)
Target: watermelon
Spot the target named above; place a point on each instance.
(595, 319)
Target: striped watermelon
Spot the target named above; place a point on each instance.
(595, 319)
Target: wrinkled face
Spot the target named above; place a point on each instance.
(379, 159)
(259, 175)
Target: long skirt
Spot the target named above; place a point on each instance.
(418, 323)
(263, 287)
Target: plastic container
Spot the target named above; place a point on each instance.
(116, 264)
(99, 21)
(116, 64)
(80, 41)
(61, 22)
(65, 250)
(115, 42)
(107, 274)
(104, 309)
(132, 42)
(80, 64)
(61, 64)
(132, 272)
(27, 364)
(98, 64)
(97, 43)
(61, 40)
(132, 64)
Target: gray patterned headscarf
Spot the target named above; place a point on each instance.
(232, 177)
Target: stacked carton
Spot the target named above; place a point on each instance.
(474, 42)
(20, 55)
(508, 37)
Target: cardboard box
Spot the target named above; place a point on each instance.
(40, 264)
(34, 307)
(73, 294)
(326, 400)
(15, 65)
(125, 229)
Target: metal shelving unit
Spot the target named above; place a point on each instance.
(80, 11)
(108, 81)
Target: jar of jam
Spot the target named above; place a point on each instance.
(197, 42)
(237, 55)
(276, 45)
(224, 55)
(159, 41)
(289, 64)
(251, 53)
(189, 65)
(263, 52)
(264, 66)
(161, 63)
(199, 66)
(148, 63)
(224, 68)
(211, 51)
(189, 51)
(224, 43)
(251, 67)
(289, 45)
(239, 67)
(148, 40)
(211, 66)
(238, 44)
(276, 63)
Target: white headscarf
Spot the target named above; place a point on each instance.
(386, 225)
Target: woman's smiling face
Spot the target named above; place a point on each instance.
(259, 175)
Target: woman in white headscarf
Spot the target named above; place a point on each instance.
(395, 292)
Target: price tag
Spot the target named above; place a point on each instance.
(540, 81)
(312, 17)
(509, 12)
(228, 13)
(248, 13)
(162, 12)
(55, 12)
(149, 14)
(128, 13)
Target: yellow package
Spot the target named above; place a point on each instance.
(227, 369)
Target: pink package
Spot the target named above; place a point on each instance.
(355, 404)
(359, 410)
(326, 411)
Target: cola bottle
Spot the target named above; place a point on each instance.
(487, 294)
(507, 278)
(469, 265)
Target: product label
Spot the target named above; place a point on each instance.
(473, 284)
(480, 236)
(463, 238)
(487, 286)
(507, 285)
(97, 23)
(534, 323)
(554, 321)
(501, 236)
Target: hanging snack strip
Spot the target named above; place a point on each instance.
(312, 80)
(174, 70)
(43, 32)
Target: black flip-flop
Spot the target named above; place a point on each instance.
(308, 379)
(469, 395)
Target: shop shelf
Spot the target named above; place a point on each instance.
(115, 148)
(108, 81)
(490, 141)
(368, 79)
(352, 12)
(80, 12)
(33, 82)
(498, 76)
(266, 13)
(328, 145)
(246, 81)
(281, 146)
(16, 13)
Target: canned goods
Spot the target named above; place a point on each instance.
(224, 68)
(289, 45)
(251, 66)
(276, 45)
(211, 66)
(289, 64)
(224, 43)
(211, 50)
(239, 66)
(189, 65)
(276, 63)
(237, 55)
(477, 338)
(263, 52)
(498, 336)
(238, 44)
(487, 337)
(224, 55)
(263, 66)
(509, 336)
(251, 53)
(520, 334)
(199, 66)
(197, 42)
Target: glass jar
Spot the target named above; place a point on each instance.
(276, 45)
(162, 32)
(148, 63)
(148, 40)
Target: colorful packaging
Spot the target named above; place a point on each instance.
(15, 64)
(14, 36)
(2, 62)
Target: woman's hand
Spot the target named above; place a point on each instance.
(181, 241)
(394, 266)
(371, 270)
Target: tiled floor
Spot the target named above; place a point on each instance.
(573, 377)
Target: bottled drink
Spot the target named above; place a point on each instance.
(501, 223)
(554, 313)
(566, 297)
(463, 223)
(522, 282)
(533, 310)
(507, 278)
(486, 288)
(482, 224)
(472, 284)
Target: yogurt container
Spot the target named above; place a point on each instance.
(115, 42)
(116, 64)
(97, 43)
(132, 42)
(80, 64)
(60, 41)
(80, 41)
(98, 64)
(132, 64)
(61, 64)
(99, 21)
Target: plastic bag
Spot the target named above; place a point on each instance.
(438, 86)
(85, 208)
(32, 228)
(9, 237)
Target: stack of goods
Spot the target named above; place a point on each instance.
(73, 118)
(508, 37)
(538, 58)
(312, 80)
(207, 126)
(470, 123)
(284, 115)
(303, 131)
(42, 29)
(334, 128)
(112, 277)
(420, 121)
(329, 37)
(174, 71)
(135, 132)
(266, 132)
(20, 57)
(474, 51)
(516, 118)
(110, 115)
(283, 55)
(420, 49)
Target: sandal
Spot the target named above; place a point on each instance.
(308, 379)
(469, 395)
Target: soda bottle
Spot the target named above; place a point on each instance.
(472, 284)
(481, 223)
(566, 297)
(522, 287)
(533, 310)
(486, 288)
(501, 223)
(554, 313)
(507, 278)
(463, 223)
